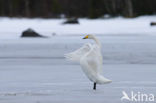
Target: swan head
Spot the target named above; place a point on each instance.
(93, 38)
(89, 37)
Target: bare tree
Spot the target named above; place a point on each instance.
(129, 8)
(27, 10)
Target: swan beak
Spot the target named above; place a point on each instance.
(86, 37)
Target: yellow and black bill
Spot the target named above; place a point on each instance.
(86, 37)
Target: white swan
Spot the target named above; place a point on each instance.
(90, 58)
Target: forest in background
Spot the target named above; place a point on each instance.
(76, 8)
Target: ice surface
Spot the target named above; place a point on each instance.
(115, 49)
(35, 71)
(42, 83)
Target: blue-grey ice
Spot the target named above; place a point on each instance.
(35, 71)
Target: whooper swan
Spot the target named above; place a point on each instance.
(90, 58)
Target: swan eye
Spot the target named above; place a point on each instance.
(86, 37)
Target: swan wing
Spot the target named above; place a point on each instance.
(91, 64)
(76, 55)
(94, 59)
(99, 57)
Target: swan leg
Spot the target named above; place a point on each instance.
(94, 87)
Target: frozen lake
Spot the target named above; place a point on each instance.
(35, 71)
(67, 83)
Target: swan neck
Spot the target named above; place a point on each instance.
(97, 41)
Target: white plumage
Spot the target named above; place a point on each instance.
(90, 58)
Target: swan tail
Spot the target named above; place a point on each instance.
(103, 80)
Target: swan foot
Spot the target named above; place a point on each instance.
(94, 87)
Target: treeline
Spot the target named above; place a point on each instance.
(76, 8)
